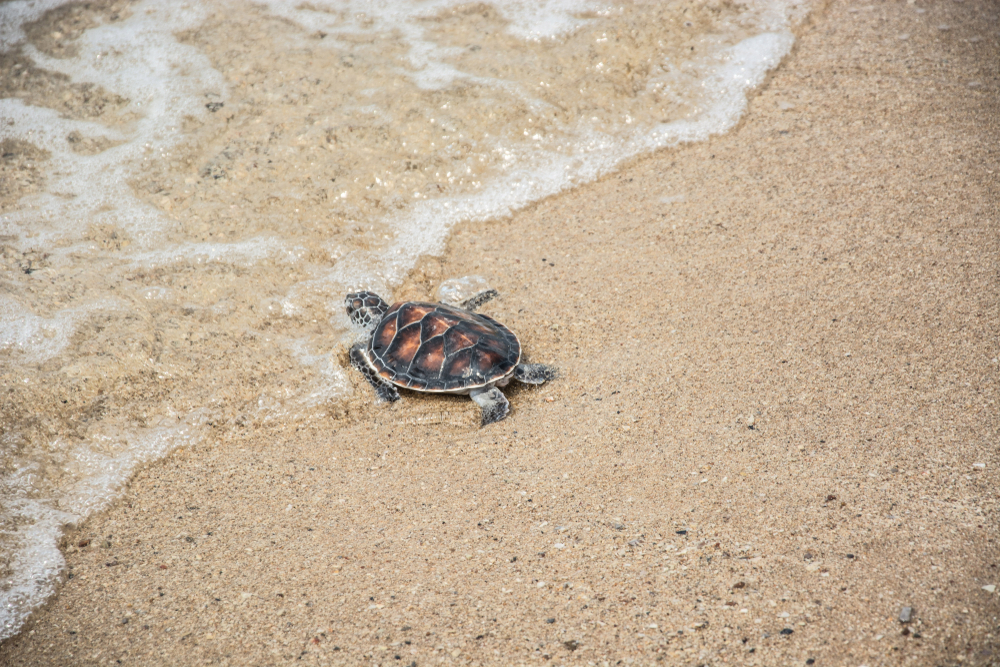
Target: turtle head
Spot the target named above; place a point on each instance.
(365, 309)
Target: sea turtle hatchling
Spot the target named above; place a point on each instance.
(441, 349)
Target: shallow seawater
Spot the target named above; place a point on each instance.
(187, 190)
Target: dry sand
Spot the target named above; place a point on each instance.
(829, 269)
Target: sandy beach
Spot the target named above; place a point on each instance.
(775, 425)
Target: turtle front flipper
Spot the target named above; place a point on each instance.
(493, 402)
(477, 300)
(534, 373)
(385, 391)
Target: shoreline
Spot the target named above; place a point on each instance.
(828, 266)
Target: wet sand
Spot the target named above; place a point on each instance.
(775, 425)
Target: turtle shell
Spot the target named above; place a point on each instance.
(435, 347)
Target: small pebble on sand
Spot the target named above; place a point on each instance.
(990, 588)
(906, 615)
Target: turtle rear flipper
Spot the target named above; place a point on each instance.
(386, 392)
(477, 300)
(534, 373)
(493, 402)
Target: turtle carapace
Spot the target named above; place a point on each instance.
(437, 348)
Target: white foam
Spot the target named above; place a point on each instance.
(538, 19)
(98, 467)
(16, 14)
(41, 338)
(541, 19)
(550, 19)
(456, 291)
(106, 460)
(424, 227)
(137, 58)
(32, 552)
(331, 383)
(242, 253)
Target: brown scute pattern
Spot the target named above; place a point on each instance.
(458, 339)
(434, 347)
(484, 360)
(459, 365)
(404, 346)
(436, 326)
(430, 360)
(413, 312)
(495, 347)
(383, 336)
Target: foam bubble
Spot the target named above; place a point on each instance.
(456, 291)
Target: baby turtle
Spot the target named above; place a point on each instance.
(440, 349)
